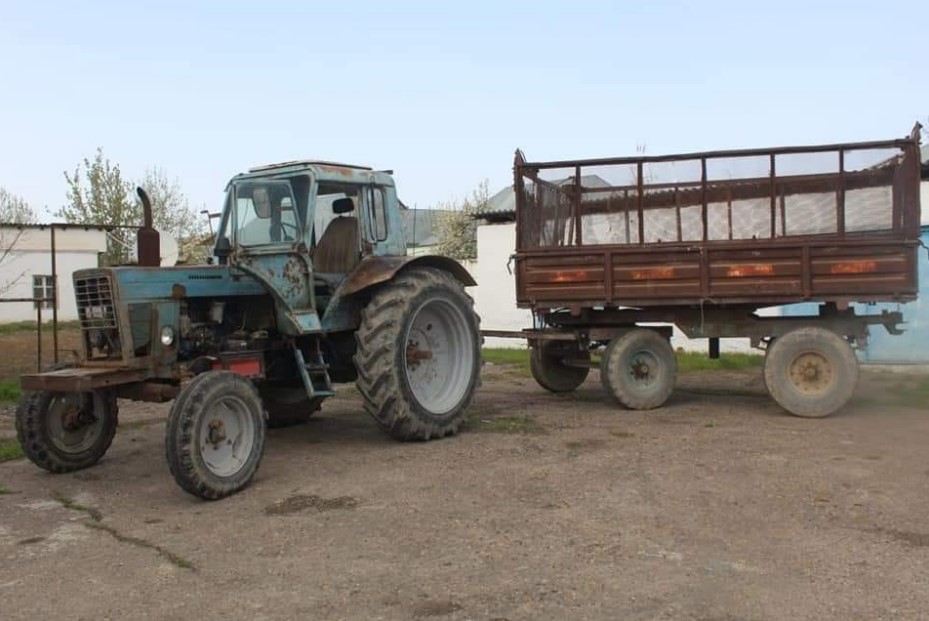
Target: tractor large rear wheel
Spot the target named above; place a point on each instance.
(418, 356)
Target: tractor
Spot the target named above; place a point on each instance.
(309, 285)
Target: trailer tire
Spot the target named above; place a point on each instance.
(639, 369)
(287, 407)
(811, 372)
(222, 409)
(419, 355)
(550, 371)
(58, 438)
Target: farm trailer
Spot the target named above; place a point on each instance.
(705, 240)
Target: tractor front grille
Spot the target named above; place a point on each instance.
(96, 311)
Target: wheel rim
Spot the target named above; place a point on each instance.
(439, 355)
(644, 370)
(810, 373)
(73, 428)
(227, 435)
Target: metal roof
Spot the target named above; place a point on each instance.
(294, 163)
(503, 204)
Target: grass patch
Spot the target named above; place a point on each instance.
(507, 424)
(10, 450)
(688, 361)
(913, 395)
(16, 327)
(9, 391)
(621, 433)
(517, 359)
(5, 490)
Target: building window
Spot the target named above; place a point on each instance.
(43, 287)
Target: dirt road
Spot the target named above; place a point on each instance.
(717, 506)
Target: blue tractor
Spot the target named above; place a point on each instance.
(309, 285)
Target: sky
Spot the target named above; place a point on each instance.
(443, 93)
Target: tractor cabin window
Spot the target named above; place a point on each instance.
(264, 213)
(377, 216)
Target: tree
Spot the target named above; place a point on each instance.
(457, 229)
(13, 210)
(98, 194)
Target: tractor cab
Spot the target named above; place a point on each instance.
(302, 228)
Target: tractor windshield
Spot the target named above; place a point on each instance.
(263, 213)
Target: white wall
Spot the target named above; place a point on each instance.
(31, 255)
(495, 293)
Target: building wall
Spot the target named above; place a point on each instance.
(31, 255)
(495, 293)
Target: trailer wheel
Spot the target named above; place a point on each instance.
(639, 369)
(64, 432)
(418, 356)
(548, 368)
(811, 372)
(287, 407)
(215, 435)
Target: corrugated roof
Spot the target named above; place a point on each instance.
(421, 226)
(503, 203)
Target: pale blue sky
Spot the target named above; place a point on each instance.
(442, 93)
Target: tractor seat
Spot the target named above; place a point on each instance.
(336, 252)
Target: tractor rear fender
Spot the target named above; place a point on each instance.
(374, 270)
(344, 310)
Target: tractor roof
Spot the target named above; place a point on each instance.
(306, 164)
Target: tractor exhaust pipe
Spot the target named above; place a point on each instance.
(148, 242)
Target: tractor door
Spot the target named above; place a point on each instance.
(266, 223)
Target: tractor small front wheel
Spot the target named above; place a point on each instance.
(64, 432)
(215, 435)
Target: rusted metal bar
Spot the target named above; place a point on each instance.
(850, 146)
(783, 215)
(38, 334)
(840, 197)
(54, 296)
(608, 275)
(577, 206)
(677, 215)
(729, 213)
(773, 173)
(626, 213)
(641, 195)
(704, 216)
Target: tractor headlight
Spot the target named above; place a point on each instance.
(167, 336)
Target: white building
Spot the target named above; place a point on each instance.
(26, 266)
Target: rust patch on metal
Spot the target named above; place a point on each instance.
(758, 269)
(653, 273)
(854, 267)
(571, 276)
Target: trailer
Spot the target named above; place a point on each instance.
(606, 248)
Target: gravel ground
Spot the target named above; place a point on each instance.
(717, 506)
